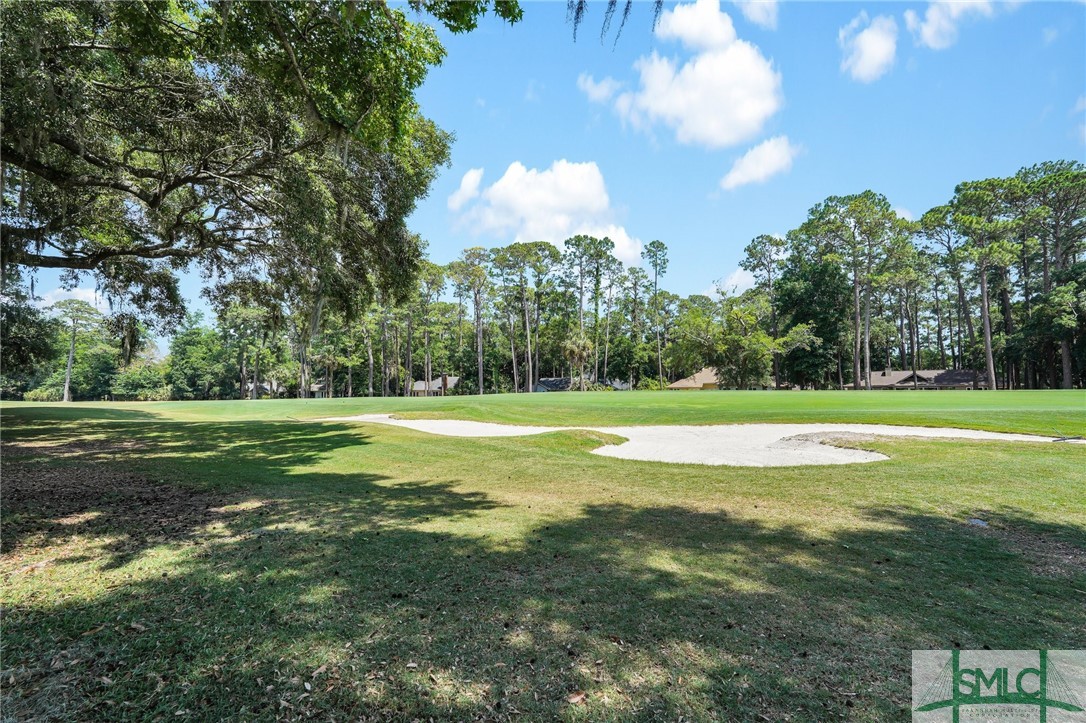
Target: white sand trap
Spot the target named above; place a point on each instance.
(735, 445)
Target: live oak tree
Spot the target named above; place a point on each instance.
(138, 138)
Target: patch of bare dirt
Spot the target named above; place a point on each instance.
(48, 505)
(1045, 555)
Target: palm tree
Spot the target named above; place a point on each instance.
(576, 350)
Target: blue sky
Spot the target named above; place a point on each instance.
(732, 120)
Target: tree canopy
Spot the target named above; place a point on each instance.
(248, 138)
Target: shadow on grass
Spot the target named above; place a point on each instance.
(72, 412)
(359, 602)
(110, 481)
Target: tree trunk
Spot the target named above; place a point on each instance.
(303, 383)
(857, 340)
(479, 336)
(254, 393)
(963, 309)
(914, 335)
(1065, 355)
(607, 334)
(986, 322)
(384, 356)
(529, 382)
(408, 365)
(538, 322)
(429, 371)
(1008, 325)
(656, 323)
(867, 338)
(939, 327)
(513, 352)
(901, 312)
(369, 364)
(68, 370)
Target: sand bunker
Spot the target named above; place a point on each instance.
(736, 445)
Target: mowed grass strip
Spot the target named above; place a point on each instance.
(261, 569)
(1047, 412)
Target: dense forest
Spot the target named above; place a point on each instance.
(992, 281)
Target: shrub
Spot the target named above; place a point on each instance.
(44, 394)
(141, 383)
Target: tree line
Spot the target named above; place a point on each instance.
(991, 281)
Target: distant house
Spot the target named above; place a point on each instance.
(705, 379)
(924, 379)
(269, 388)
(318, 391)
(554, 384)
(439, 386)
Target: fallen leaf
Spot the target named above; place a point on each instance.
(308, 686)
(319, 670)
(140, 628)
(412, 665)
(577, 698)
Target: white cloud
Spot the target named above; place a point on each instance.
(90, 296)
(1050, 35)
(627, 248)
(600, 92)
(869, 46)
(699, 26)
(1080, 105)
(716, 100)
(938, 28)
(552, 204)
(904, 213)
(736, 282)
(721, 96)
(759, 12)
(761, 163)
(469, 189)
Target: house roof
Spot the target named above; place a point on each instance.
(698, 380)
(435, 384)
(924, 377)
(555, 384)
(955, 377)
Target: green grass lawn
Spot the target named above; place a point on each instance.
(1051, 413)
(221, 561)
